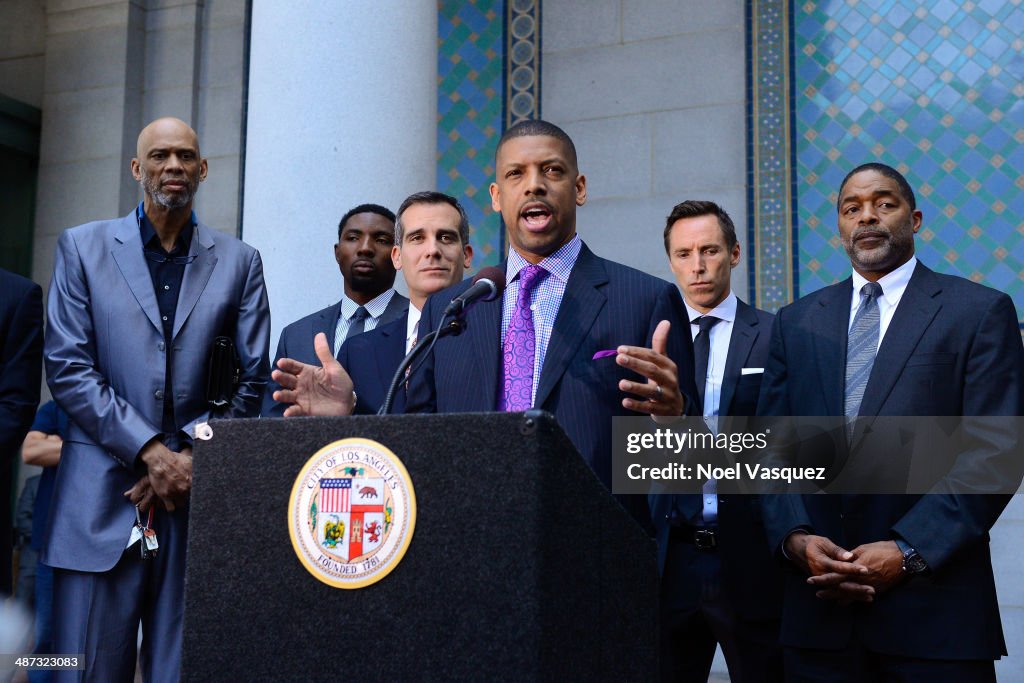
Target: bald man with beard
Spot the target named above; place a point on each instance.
(134, 306)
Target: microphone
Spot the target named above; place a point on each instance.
(487, 285)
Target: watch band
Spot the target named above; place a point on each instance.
(913, 563)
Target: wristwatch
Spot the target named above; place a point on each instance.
(913, 563)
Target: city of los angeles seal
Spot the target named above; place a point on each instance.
(352, 513)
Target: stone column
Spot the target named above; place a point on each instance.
(92, 107)
(342, 110)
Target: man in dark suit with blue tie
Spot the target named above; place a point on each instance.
(134, 308)
(432, 250)
(21, 359)
(579, 336)
(720, 583)
(894, 587)
(366, 235)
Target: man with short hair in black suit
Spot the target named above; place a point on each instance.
(720, 584)
(894, 587)
(21, 362)
(366, 235)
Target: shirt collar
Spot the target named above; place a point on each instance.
(374, 307)
(893, 284)
(723, 311)
(148, 232)
(559, 264)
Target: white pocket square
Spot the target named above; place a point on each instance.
(751, 371)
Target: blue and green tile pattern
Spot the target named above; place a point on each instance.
(933, 89)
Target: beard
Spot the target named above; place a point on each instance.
(896, 247)
(151, 186)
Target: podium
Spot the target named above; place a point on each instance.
(522, 565)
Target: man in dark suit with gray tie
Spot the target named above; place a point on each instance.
(720, 585)
(894, 587)
(366, 235)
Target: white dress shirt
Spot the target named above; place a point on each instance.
(893, 285)
(374, 308)
(411, 327)
(720, 334)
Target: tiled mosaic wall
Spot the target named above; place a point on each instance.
(771, 186)
(470, 107)
(488, 68)
(933, 89)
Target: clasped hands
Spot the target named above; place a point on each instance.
(846, 576)
(168, 479)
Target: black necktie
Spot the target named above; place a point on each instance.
(702, 351)
(357, 322)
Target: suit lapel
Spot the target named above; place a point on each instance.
(197, 274)
(484, 330)
(391, 351)
(580, 305)
(127, 253)
(326, 322)
(396, 308)
(744, 334)
(829, 324)
(916, 310)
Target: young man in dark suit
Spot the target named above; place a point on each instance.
(366, 235)
(894, 587)
(720, 583)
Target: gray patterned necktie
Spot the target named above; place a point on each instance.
(861, 348)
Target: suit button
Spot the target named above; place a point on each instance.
(160, 346)
(158, 394)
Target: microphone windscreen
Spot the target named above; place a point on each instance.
(495, 275)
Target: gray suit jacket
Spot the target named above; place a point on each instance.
(106, 366)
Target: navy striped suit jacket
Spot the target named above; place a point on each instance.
(371, 359)
(605, 305)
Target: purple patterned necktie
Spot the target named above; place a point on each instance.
(520, 346)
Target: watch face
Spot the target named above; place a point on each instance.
(913, 564)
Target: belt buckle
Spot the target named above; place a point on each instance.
(705, 539)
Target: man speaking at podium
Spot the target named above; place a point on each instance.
(582, 337)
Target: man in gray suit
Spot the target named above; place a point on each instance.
(134, 307)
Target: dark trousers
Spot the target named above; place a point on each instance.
(697, 615)
(44, 622)
(854, 664)
(97, 614)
